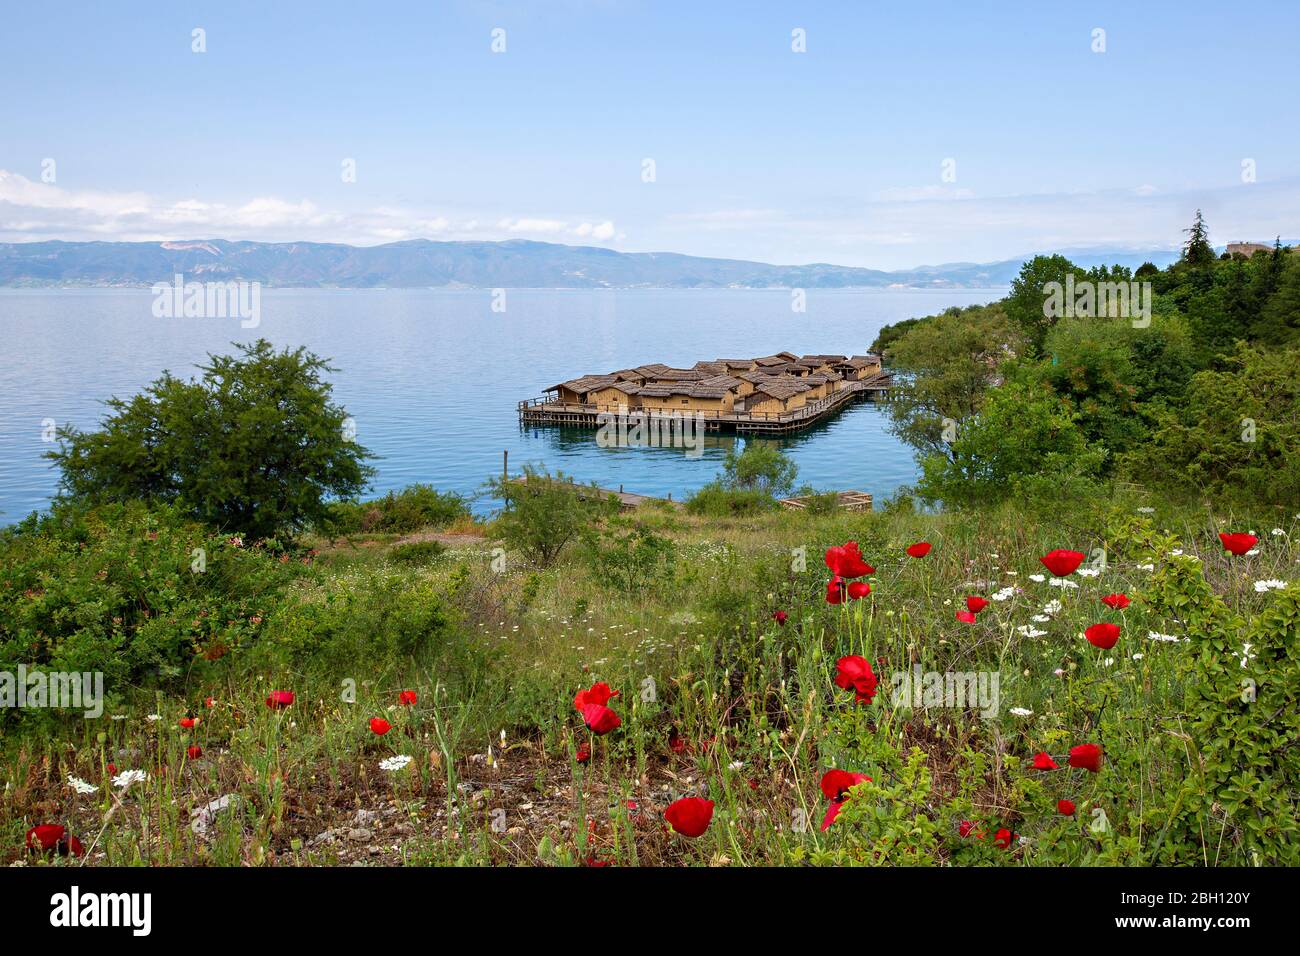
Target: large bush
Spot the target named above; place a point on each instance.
(544, 512)
(254, 446)
(143, 595)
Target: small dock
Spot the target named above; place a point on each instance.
(844, 501)
(627, 500)
(546, 411)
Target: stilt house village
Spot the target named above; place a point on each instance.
(771, 393)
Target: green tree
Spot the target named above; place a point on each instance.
(945, 365)
(1197, 250)
(1022, 445)
(1026, 304)
(762, 467)
(1236, 437)
(254, 445)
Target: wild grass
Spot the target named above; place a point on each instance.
(717, 699)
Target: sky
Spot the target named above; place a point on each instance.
(873, 134)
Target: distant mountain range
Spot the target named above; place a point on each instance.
(516, 263)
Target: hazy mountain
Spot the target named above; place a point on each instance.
(421, 263)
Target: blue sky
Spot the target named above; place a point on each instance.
(834, 154)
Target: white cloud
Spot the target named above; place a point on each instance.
(32, 211)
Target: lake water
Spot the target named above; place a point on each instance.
(431, 377)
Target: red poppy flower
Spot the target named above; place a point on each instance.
(1103, 635)
(1003, 838)
(975, 604)
(855, 672)
(583, 754)
(1062, 563)
(836, 783)
(279, 699)
(112, 770)
(379, 726)
(832, 812)
(676, 743)
(44, 837)
(1116, 601)
(1238, 543)
(1065, 807)
(966, 617)
(689, 816)
(967, 827)
(51, 836)
(780, 617)
(920, 549)
(1043, 761)
(189, 722)
(845, 561)
(210, 703)
(597, 693)
(1086, 757)
(407, 698)
(837, 589)
(599, 719)
(194, 752)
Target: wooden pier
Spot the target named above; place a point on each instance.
(844, 501)
(543, 411)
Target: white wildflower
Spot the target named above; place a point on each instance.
(1003, 594)
(395, 763)
(1270, 585)
(1037, 577)
(128, 777)
(1028, 630)
(1157, 636)
(81, 786)
(1052, 607)
(1146, 511)
(1088, 572)
(1022, 711)
(1062, 583)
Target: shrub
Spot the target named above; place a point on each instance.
(144, 595)
(417, 552)
(544, 512)
(400, 512)
(253, 447)
(628, 558)
(717, 501)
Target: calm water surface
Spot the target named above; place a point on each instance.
(432, 376)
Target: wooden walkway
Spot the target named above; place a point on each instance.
(845, 501)
(540, 411)
(627, 500)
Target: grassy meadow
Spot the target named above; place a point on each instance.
(723, 648)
